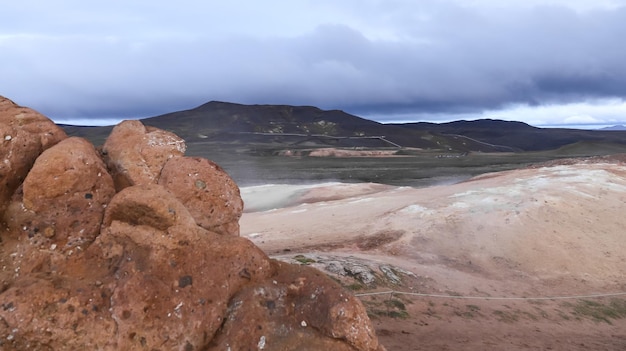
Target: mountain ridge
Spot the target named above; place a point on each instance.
(615, 127)
(309, 126)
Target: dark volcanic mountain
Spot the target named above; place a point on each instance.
(518, 135)
(297, 125)
(275, 126)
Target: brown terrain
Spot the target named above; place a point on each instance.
(529, 259)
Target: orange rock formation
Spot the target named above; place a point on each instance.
(137, 247)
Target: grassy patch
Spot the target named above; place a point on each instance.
(507, 317)
(473, 308)
(530, 315)
(464, 314)
(604, 312)
(355, 286)
(541, 312)
(563, 315)
(303, 259)
(392, 308)
(395, 303)
(398, 314)
(471, 311)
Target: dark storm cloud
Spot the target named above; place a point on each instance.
(382, 58)
(468, 63)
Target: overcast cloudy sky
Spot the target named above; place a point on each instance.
(538, 61)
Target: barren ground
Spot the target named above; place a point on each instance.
(506, 261)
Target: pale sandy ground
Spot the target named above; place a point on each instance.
(554, 231)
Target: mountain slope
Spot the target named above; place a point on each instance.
(284, 125)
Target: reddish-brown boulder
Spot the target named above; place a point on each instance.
(84, 267)
(135, 154)
(299, 308)
(147, 205)
(63, 197)
(50, 219)
(210, 194)
(173, 278)
(55, 312)
(58, 210)
(24, 134)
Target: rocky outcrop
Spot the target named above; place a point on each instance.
(174, 278)
(137, 248)
(24, 134)
(297, 310)
(64, 195)
(135, 154)
(211, 196)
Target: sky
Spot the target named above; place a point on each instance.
(550, 62)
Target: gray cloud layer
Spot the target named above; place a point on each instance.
(378, 58)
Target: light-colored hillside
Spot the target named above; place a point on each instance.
(555, 230)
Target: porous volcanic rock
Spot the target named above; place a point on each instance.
(209, 193)
(173, 279)
(139, 260)
(295, 310)
(135, 154)
(56, 311)
(58, 209)
(25, 135)
(65, 194)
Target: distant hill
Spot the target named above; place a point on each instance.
(299, 125)
(617, 127)
(230, 122)
(279, 126)
(518, 135)
(294, 126)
